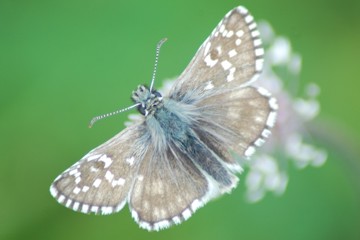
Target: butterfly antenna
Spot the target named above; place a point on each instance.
(95, 119)
(156, 61)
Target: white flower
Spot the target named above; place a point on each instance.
(264, 176)
(268, 173)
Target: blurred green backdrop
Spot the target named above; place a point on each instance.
(63, 62)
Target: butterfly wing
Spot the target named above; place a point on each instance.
(169, 188)
(101, 180)
(236, 121)
(231, 57)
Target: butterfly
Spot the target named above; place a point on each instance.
(185, 150)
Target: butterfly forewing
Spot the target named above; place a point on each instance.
(231, 57)
(101, 180)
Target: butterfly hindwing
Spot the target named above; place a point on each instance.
(169, 187)
(237, 121)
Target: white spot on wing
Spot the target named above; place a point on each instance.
(259, 52)
(76, 206)
(207, 47)
(259, 63)
(135, 215)
(222, 28)
(224, 33)
(232, 53)
(77, 180)
(249, 19)
(257, 42)
(259, 142)
(77, 174)
(255, 33)
(266, 133)
(249, 151)
(258, 119)
(231, 77)
(179, 199)
(238, 42)
(85, 208)
(195, 205)
(106, 210)
(263, 92)
(209, 86)
(273, 103)
(54, 192)
(93, 169)
(230, 34)
(93, 157)
(239, 33)
(76, 190)
(61, 199)
(73, 172)
(210, 62)
(97, 182)
(106, 160)
(242, 10)
(109, 176)
(226, 65)
(130, 161)
(68, 203)
(186, 214)
(119, 182)
(252, 26)
(271, 119)
(161, 225)
(94, 209)
(145, 225)
(176, 220)
(85, 188)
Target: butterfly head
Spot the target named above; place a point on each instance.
(148, 100)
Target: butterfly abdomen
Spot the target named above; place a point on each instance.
(179, 133)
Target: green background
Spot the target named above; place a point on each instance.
(63, 62)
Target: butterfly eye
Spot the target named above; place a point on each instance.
(156, 102)
(142, 109)
(157, 94)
